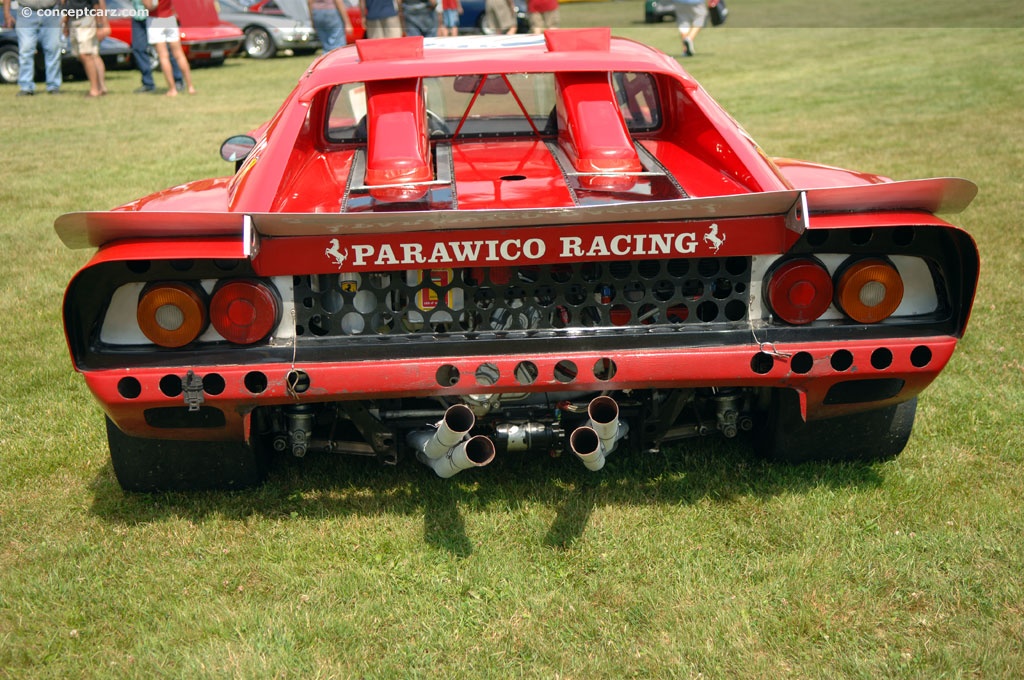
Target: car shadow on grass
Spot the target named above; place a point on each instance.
(323, 486)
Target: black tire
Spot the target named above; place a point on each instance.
(483, 24)
(258, 43)
(167, 465)
(650, 18)
(874, 435)
(8, 64)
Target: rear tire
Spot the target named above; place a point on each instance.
(167, 465)
(870, 436)
(483, 24)
(8, 64)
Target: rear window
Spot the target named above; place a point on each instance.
(493, 105)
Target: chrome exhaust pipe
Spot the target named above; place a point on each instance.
(599, 437)
(474, 452)
(446, 449)
(458, 420)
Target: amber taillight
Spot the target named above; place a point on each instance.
(869, 290)
(171, 314)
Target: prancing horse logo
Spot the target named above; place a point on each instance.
(336, 253)
(713, 238)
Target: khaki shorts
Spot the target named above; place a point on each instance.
(389, 27)
(83, 36)
(500, 15)
(541, 20)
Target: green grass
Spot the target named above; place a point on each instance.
(699, 562)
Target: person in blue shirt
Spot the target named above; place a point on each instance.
(381, 18)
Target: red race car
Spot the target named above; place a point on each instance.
(465, 248)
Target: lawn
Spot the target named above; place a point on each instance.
(702, 561)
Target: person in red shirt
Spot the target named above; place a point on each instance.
(450, 11)
(164, 35)
(543, 14)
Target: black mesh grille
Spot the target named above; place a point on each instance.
(484, 302)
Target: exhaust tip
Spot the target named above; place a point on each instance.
(480, 450)
(459, 418)
(603, 410)
(584, 441)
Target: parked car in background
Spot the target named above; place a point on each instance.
(473, 18)
(456, 249)
(267, 34)
(115, 53)
(204, 37)
(656, 11)
(299, 10)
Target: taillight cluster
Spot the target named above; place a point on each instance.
(866, 290)
(173, 314)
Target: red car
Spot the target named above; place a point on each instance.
(465, 248)
(204, 37)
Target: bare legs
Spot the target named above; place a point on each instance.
(687, 36)
(164, 55)
(96, 73)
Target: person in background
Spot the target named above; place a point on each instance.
(502, 15)
(691, 15)
(450, 12)
(543, 14)
(419, 17)
(330, 19)
(140, 47)
(34, 29)
(380, 17)
(164, 35)
(80, 25)
(140, 50)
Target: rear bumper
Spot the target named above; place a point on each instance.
(833, 378)
(300, 41)
(211, 50)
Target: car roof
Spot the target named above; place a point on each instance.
(557, 50)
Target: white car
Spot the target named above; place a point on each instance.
(269, 31)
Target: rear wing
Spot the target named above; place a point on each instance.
(792, 207)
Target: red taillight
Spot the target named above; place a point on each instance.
(244, 312)
(800, 291)
(869, 290)
(171, 314)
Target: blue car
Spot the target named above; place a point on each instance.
(474, 18)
